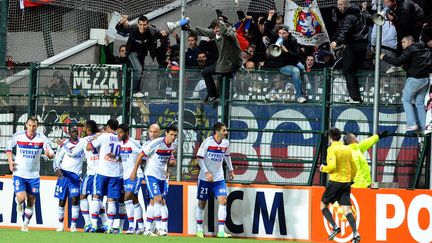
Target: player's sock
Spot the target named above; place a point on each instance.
(164, 219)
(157, 215)
(111, 212)
(199, 218)
(150, 218)
(95, 206)
(221, 218)
(60, 214)
(102, 214)
(138, 215)
(352, 223)
(28, 213)
(75, 215)
(84, 206)
(130, 213)
(327, 215)
(122, 215)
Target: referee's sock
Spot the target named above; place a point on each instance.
(326, 212)
(352, 222)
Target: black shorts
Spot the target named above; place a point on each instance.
(337, 191)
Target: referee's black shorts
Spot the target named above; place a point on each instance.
(337, 191)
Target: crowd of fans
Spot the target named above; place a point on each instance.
(212, 50)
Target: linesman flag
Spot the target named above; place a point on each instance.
(306, 23)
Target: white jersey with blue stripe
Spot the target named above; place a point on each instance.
(158, 154)
(129, 151)
(67, 162)
(28, 153)
(213, 154)
(92, 156)
(108, 143)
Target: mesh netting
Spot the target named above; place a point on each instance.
(37, 33)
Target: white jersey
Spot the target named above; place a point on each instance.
(28, 153)
(108, 143)
(213, 153)
(158, 154)
(71, 163)
(128, 153)
(92, 156)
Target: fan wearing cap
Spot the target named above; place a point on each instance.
(229, 59)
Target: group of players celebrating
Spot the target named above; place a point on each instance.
(114, 171)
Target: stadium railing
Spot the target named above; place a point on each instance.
(273, 138)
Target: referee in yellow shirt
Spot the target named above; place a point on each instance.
(342, 170)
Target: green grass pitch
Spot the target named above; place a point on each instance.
(44, 236)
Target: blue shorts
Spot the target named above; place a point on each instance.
(204, 188)
(31, 186)
(67, 185)
(156, 187)
(87, 185)
(132, 186)
(107, 186)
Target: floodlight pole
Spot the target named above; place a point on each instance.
(180, 113)
(376, 93)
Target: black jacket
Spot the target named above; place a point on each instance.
(408, 18)
(291, 57)
(141, 43)
(416, 60)
(354, 27)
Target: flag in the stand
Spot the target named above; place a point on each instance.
(306, 24)
(240, 30)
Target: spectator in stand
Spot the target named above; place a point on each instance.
(288, 61)
(323, 57)
(260, 38)
(192, 51)
(426, 36)
(120, 59)
(142, 39)
(388, 43)
(416, 60)
(353, 33)
(209, 46)
(310, 61)
(202, 59)
(200, 87)
(248, 54)
(407, 17)
(229, 55)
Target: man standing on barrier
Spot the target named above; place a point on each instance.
(342, 170)
(25, 168)
(142, 39)
(416, 60)
(229, 59)
(353, 33)
(211, 154)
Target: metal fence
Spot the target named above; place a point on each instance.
(273, 138)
